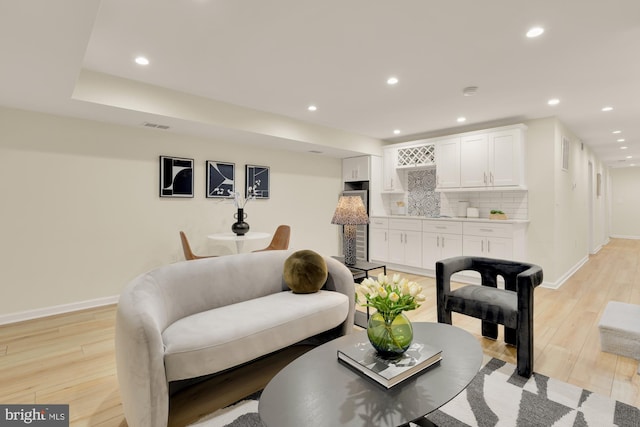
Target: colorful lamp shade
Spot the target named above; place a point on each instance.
(350, 213)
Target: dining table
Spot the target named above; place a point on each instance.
(239, 240)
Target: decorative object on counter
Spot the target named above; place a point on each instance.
(349, 213)
(462, 208)
(399, 209)
(240, 227)
(176, 177)
(497, 214)
(473, 213)
(389, 330)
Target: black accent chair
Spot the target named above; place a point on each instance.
(511, 307)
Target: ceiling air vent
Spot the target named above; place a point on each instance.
(155, 125)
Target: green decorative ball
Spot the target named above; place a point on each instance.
(305, 272)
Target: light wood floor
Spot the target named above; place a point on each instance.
(70, 358)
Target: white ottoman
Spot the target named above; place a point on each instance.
(620, 330)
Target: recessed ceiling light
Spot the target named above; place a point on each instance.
(535, 32)
(141, 60)
(312, 108)
(620, 140)
(624, 147)
(629, 157)
(617, 131)
(554, 101)
(607, 108)
(461, 119)
(392, 81)
(396, 131)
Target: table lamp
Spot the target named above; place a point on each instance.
(350, 213)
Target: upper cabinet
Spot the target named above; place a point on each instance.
(448, 163)
(356, 169)
(391, 181)
(414, 156)
(492, 159)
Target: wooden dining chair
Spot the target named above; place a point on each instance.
(188, 253)
(280, 240)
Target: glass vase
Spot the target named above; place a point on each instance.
(390, 335)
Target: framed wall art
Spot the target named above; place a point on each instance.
(257, 181)
(221, 182)
(176, 177)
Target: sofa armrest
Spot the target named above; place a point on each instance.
(140, 355)
(340, 280)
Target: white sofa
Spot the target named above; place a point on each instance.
(202, 317)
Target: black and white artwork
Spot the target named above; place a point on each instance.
(220, 179)
(257, 181)
(176, 177)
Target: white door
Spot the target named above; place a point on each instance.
(396, 246)
(450, 245)
(504, 158)
(448, 163)
(378, 244)
(413, 248)
(474, 154)
(430, 250)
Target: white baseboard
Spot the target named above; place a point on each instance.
(565, 276)
(619, 236)
(57, 309)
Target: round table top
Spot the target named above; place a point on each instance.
(251, 235)
(317, 390)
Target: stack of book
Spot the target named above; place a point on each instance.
(364, 359)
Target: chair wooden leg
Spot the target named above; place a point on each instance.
(489, 330)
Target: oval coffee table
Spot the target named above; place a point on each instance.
(317, 390)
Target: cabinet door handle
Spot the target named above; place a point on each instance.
(442, 242)
(488, 230)
(438, 241)
(491, 177)
(488, 245)
(385, 236)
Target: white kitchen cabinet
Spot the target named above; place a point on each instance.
(391, 180)
(492, 159)
(448, 163)
(356, 169)
(378, 239)
(440, 240)
(489, 240)
(405, 242)
(417, 155)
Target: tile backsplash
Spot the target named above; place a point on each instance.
(422, 199)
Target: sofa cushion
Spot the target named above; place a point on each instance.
(305, 272)
(218, 339)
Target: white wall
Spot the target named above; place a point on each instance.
(559, 201)
(81, 214)
(625, 197)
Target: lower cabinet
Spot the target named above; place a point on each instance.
(488, 240)
(405, 242)
(379, 239)
(420, 243)
(440, 240)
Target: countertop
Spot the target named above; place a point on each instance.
(504, 221)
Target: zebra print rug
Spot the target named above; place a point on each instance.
(497, 396)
